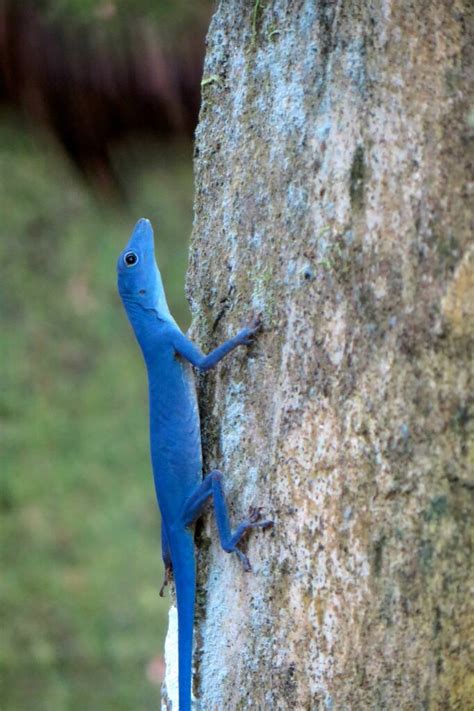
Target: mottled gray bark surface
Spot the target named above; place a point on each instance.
(332, 195)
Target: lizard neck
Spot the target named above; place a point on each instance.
(145, 323)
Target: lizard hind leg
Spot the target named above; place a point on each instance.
(166, 555)
(166, 580)
(212, 486)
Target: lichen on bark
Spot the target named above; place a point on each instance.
(333, 160)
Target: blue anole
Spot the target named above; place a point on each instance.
(175, 437)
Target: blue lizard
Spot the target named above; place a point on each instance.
(175, 437)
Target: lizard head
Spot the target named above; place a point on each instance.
(139, 279)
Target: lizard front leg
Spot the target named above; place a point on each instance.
(186, 348)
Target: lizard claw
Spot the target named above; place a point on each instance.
(256, 323)
(249, 332)
(255, 514)
(244, 560)
(253, 520)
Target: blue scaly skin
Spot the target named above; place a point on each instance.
(175, 437)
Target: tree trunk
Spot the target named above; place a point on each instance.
(332, 196)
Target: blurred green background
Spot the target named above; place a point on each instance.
(82, 625)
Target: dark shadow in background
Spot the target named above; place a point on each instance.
(97, 85)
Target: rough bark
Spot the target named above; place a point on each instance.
(332, 195)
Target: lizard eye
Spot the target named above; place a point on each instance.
(130, 259)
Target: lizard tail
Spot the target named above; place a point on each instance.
(182, 556)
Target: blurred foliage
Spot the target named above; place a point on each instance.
(170, 17)
(81, 565)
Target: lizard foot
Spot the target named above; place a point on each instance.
(249, 332)
(244, 560)
(254, 518)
